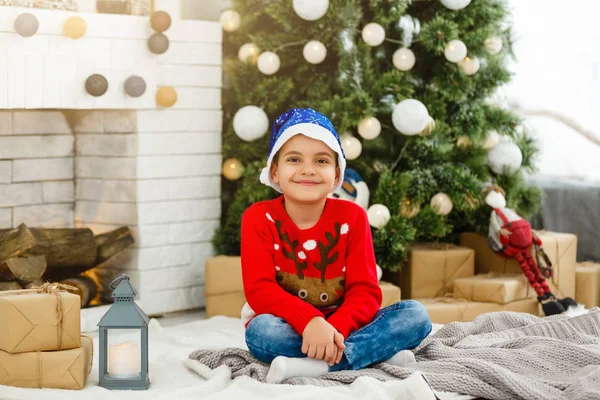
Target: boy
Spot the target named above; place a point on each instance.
(308, 265)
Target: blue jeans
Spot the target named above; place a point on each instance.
(397, 327)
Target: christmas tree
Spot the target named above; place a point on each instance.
(408, 86)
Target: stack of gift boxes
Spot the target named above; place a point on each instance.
(41, 345)
(455, 283)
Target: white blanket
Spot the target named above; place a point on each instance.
(171, 379)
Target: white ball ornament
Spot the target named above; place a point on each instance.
(232, 169)
(248, 53)
(492, 139)
(505, 156)
(410, 117)
(404, 59)
(310, 10)
(314, 52)
(441, 203)
(469, 66)
(455, 51)
(352, 146)
(455, 4)
(250, 123)
(373, 34)
(378, 215)
(268, 63)
(493, 44)
(230, 20)
(369, 128)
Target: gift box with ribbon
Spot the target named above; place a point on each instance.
(432, 269)
(41, 319)
(64, 369)
(494, 288)
(561, 249)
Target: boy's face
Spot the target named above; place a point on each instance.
(306, 169)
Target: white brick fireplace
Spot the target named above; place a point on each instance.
(69, 159)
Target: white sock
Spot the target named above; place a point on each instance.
(283, 368)
(402, 358)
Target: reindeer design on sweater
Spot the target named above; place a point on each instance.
(318, 291)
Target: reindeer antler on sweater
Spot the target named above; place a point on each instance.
(325, 249)
(291, 254)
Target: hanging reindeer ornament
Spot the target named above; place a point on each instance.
(511, 236)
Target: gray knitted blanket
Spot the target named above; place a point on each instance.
(503, 355)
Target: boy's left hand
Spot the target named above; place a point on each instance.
(338, 340)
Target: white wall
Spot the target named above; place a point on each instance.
(558, 68)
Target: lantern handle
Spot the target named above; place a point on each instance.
(117, 280)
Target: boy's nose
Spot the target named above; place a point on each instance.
(308, 170)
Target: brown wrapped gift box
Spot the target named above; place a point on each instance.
(431, 269)
(224, 289)
(390, 293)
(29, 321)
(447, 309)
(561, 248)
(588, 284)
(493, 288)
(64, 369)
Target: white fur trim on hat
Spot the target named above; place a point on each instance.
(313, 131)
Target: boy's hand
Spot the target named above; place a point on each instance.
(318, 339)
(339, 347)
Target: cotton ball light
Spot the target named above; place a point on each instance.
(158, 43)
(314, 52)
(373, 34)
(404, 59)
(268, 63)
(248, 53)
(369, 128)
(505, 156)
(75, 27)
(492, 139)
(250, 123)
(135, 86)
(378, 215)
(493, 44)
(469, 66)
(166, 96)
(352, 146)
(455, 4)
(310, 10)
(230, 20)
(441, 203)
(455, 51)
(26, 24)
(463, 141)
(409, 209)
(232, 169)
(410, 117)
(160, 21)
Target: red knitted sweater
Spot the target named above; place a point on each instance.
(296, 274)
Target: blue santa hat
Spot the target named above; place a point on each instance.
(307, 122)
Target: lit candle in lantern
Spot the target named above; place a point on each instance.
(124, 360)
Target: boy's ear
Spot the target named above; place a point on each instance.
(337, 176)
(274, 173)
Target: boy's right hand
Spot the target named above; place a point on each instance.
(319, 341)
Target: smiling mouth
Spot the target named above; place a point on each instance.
(307, 183)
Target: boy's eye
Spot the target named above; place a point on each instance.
(293, 159)
(323, 161)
